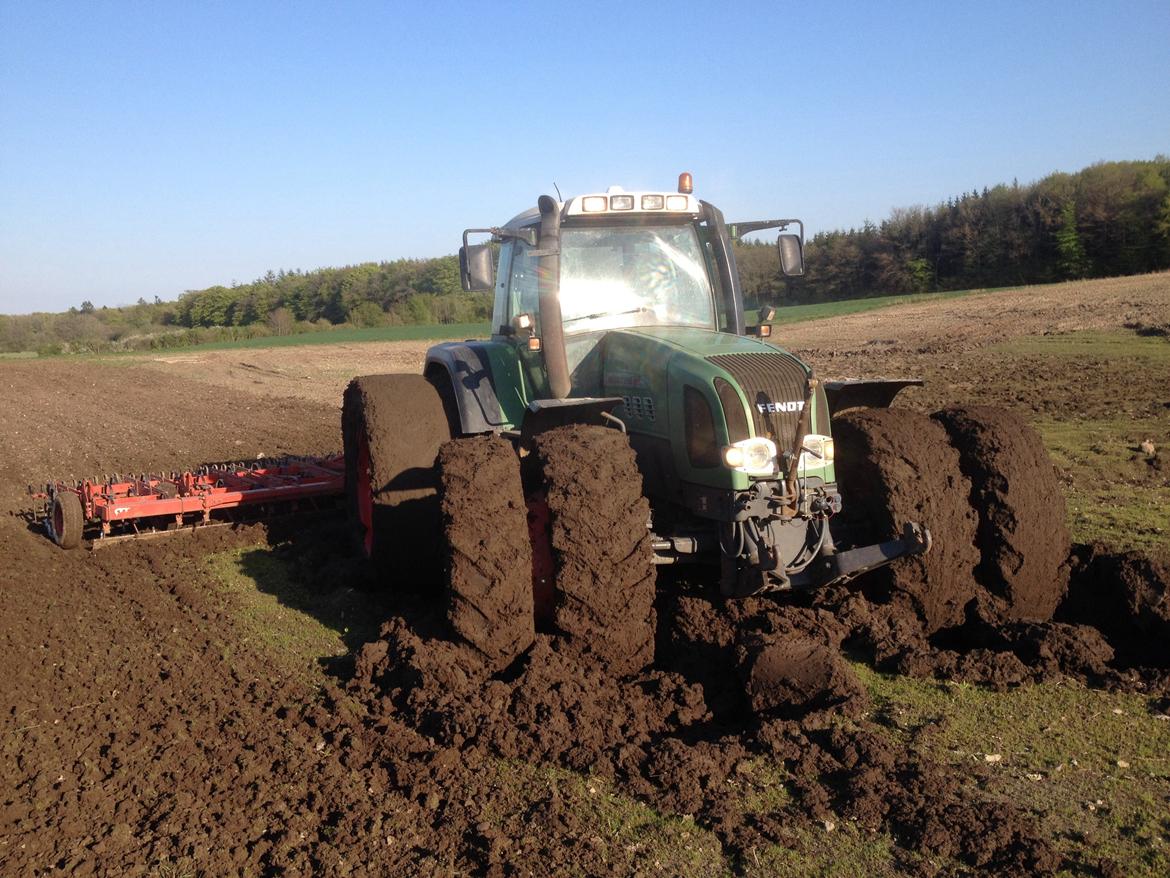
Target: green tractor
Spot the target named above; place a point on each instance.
(622, 416)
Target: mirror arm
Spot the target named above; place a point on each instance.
(738, 230)
(498, 234)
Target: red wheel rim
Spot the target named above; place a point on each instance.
(365, 495)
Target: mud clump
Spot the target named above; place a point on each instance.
(1127, 597)
(867, 778)
(782, 689)
(790, 676)
(1022, 536)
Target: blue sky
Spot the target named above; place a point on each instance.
(146, 149)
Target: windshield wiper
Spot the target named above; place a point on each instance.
(608, 314)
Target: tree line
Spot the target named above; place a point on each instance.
(1109, 219)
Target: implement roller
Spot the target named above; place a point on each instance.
(104, 509)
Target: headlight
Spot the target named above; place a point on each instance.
(756, 457)
(817, 450)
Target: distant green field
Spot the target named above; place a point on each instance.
(819, 310)
(348, 336)
(784, 314)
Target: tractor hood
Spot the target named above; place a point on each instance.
(650, 367)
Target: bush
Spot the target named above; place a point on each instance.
(367, 314)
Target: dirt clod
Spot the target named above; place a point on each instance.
(793, 675)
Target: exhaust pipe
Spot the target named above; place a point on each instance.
(552, 331)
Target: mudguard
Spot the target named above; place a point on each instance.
(473, 372)
(865, 393)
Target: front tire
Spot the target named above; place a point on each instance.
(1022, 534)
(896, 466)
(605, 579)
(489, 556)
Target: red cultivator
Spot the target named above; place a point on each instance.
(129, 505)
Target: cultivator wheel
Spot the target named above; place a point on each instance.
(489, 557)
(66, 520)
(604, 582)
(392, 427)
(1015, 491)
(897, 465)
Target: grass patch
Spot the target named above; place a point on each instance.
(1113, 493)
(1116, 493)
(628, 836)
(1089, 343)
(301, 623)
(1093, 766)
(820, 310)
(809, 847)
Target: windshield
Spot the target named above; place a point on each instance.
(634, 276)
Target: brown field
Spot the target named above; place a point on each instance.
(181, 706)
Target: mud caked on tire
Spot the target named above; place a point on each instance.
(896, 466)
(1022, 534)
(604, 581)
(488, 552)
(392, 427)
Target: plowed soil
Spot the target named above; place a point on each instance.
(146, 731)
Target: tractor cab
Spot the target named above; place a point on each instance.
(625, 308)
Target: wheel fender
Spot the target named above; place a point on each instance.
(469, 369)
(865, 393)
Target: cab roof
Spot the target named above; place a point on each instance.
(616, 202)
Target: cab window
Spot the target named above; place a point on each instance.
(523, 281)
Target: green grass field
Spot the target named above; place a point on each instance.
(1114, 493)
(819, 310)
(349, 335)
(785, 314)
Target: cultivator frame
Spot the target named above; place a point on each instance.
(121, 505)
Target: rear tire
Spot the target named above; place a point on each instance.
(896, 466)
(489, 556)
(66, 520)
(392, 427)
(1022, 534)
(604, 584)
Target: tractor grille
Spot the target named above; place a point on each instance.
(776, 386)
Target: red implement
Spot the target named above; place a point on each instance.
(130, 504)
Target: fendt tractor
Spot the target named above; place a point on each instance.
(622, 415)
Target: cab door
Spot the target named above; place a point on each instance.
(518, 291)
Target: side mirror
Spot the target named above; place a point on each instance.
(791, 255)
(475, 267)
